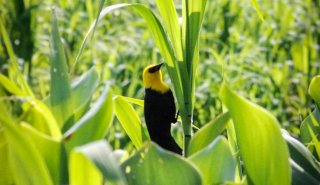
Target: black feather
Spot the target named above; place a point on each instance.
(160, 112)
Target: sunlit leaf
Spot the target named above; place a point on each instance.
(49, 148)
(41, 118)
(156, 166)
(215, 162)
(96, 162)
(6, 176)
(208, 133)
(133, 101)
(82, 91)
(314, 125)
(10, 86)
(14, 71)
(314, 89)
(262, 148)
(94, 124)
(60, 90)
(129, 120)
(25, 160)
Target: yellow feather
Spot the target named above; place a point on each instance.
(154, 80)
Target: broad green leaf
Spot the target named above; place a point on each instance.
(94, 124)
(82, 171)
(192, 15)
(208, 133)
(25, 160)
(215, 162)
(14, 71)
(300, 176)
(6, 176)
(153, 165)
(129, 120)
(48, 147)
(314, 125)
(82, 91)
(10, 86)
(315, 140)
(314, 89)
(60, 90)
(40, 117)
(302, 157)
(100, 154)
(232, 140)
(133, 101)
(170, 18)
(262, 148)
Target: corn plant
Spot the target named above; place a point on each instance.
(60, 139)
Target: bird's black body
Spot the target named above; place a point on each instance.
(160, 112)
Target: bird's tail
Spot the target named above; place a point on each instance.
(170, 144)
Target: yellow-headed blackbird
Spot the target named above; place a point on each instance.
(159, 109)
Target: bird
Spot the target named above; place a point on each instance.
(159, 109)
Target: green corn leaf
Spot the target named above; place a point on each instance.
(192, 15)
(60, 90)
(170, 18)
(49, 149)
(314, 89)
(314, 125)
(100, 154)
(156, 166)
(300, 176)
(40, 117)
(129, 120)
(6, 175)
(82, 171)
(92, 28)
(10, 86)
(14, 71)
(302, 158)
(208, 133)
(215, 162)
(83, 90)
(25, 160)
(133, 101)
(94, 124)
(315, 141)
(262, 148)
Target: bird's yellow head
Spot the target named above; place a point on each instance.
(152, 78)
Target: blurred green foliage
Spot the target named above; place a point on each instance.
(271, 62)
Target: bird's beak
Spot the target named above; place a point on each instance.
(155, 68)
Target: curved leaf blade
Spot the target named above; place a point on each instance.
(94, 124)
(129, 120)
(208, 133)
(153, 165)
(216, 162)
(28, 169)
(49, 149)
(301, 156)
(262, 147)
(100, 154)
(60, 90)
